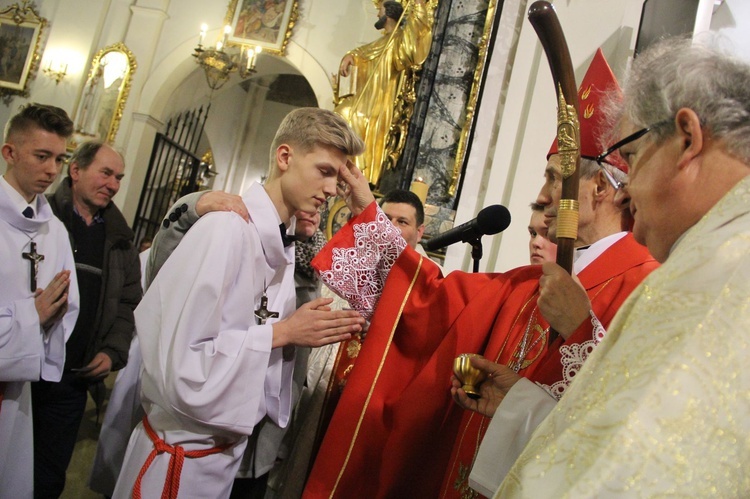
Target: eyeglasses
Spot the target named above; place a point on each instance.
(627, 140)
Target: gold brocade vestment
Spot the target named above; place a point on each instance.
(662, 406)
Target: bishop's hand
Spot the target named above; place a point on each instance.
(354, 189)
(563, 301)
(500, 379)
(314, 324)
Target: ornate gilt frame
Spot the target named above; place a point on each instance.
(125, 86)
(471, 105)
(24, 17)
(286, 24)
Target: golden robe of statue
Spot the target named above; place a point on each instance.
(382, 67)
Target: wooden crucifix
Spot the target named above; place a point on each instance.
(34, 258)
(263, 314)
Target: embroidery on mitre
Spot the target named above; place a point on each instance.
(572, 358)
(589, 111)
(358, 273)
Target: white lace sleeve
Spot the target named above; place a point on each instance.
(358, 272)
(573, 357)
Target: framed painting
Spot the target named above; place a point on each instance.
(262, 23)
(20, 33)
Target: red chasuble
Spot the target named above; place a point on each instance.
(395, 425)
(608, 280)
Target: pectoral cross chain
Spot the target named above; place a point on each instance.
(34, 258)
(263, 314)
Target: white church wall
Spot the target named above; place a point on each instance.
(516, 118)
(508, 161)
(507, 155)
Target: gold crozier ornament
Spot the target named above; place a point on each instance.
(568, 135)
(568, 147)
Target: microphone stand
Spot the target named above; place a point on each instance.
(476, 251)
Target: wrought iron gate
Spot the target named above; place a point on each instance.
(173, 170)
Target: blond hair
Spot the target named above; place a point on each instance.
(307, 127)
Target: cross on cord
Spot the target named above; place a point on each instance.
(263, 314)
(34, 258)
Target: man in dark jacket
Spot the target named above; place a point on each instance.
(108, 273)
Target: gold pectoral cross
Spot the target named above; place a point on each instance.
(34, 258)
(263, 314)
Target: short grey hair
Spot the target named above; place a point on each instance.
(677, 73)
(588, 168)
(85, 153)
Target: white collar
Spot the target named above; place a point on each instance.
(16, 198)
(584, 256)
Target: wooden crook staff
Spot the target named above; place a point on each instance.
(544, 20)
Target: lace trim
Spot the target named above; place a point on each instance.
(358, 273)
(573, 356)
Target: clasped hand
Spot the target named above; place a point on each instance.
(52, 302)
(314, 324)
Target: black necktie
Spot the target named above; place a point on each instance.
(285, 238)
(28, 212)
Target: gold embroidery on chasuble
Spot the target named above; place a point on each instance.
(527, 348)
(353, 348)
(377, 377)
(462, 483)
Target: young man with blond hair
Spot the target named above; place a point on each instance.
(218, 324)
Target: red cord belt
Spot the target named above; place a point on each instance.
(177, 459)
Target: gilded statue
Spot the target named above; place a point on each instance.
(382, 80)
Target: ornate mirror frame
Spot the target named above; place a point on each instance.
(94, 98)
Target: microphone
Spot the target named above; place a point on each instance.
(490, 220)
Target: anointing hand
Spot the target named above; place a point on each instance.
(563, 301)
(354, 189)
(492, 391)
(221, 201)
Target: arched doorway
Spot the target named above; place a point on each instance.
(216, 140)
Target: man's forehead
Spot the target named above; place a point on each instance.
(553, 164)
(399, 207)
(41, 139)
(624, 127)
(106, 157)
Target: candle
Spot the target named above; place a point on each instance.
(227, 30)
(202, 36)
(250, 57)
(219, 46)
(420, 188)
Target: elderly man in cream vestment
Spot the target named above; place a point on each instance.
(662, 406)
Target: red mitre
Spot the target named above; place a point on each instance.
(598, 80)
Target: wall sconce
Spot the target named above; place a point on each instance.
(219, 62)
(56, 70)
